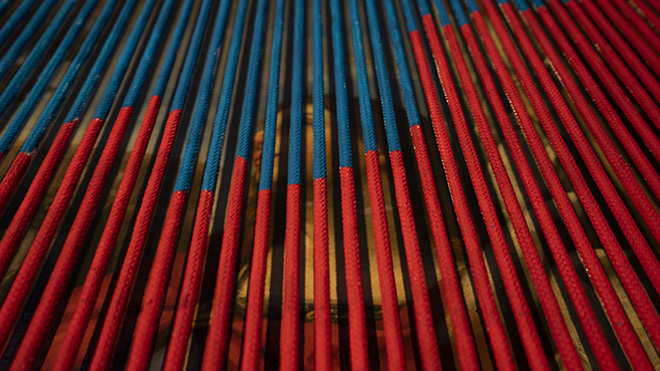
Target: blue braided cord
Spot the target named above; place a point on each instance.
(404, 73)
(15, 19)
(100, 64)
(409, 17)
(4, 4)
(188, 162)
(103, 108)
(457, 8)
(28, 31)
(173, 48)
(212, 166)
(423, 8)
(63, 89)
(472, 6)
(33, 59)
(341, 98)
(382, 78)
(522, 4)
(366, 115)
(183, 85)
(298, 68)
(318, 93)
(149, 54)
(537, 4)
(252, 83)
(270, 127)
(460, 15)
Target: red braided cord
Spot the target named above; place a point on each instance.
(290, 333)
(640, 246)
(534, 264)
(651, 17)
(424, 325)
(251, 357)
(27, 274)
(389, 304)
(562, 259)
(588, 202)
(619, 128)
(527, 329)
(599, 278)
(23, 216)
(496, 332)
(639, 36)
(622, 70)
(66, 261)
(621, 168)
(356, 313)
(322, 334)
(192, 280)
(115, 315)
(217, 342)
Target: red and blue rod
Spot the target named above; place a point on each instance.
(189, 291)
(15, 19)
(423, 316)
(251, 355)
(52, 296)
(18, 45)
(217, 341)
(39, 247)
(640, 246)
(527, 330)
(290, 329)
(20, 77)
(389, 303)
(601, 226)
(86, 303)
(22, 161)
(322, 327)
(585, 313)
(351, 246)
(619, 165)
(599, 278)
(496, 331)
(639, 81)
(115, 315)
(35, 193)
(533, 261)
(616, 91)
(147, 321)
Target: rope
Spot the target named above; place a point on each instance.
(290, 329)
(94, 279)
(39, 247)
(651, 266)
(557, 248)
(217, 342)
(389, 304)
(18, 45)
(599, 278)
(602, 39)
(195, 263)
(31, 62)
(322, 336)
(255, 300)
(147, 322)
(114, 318)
